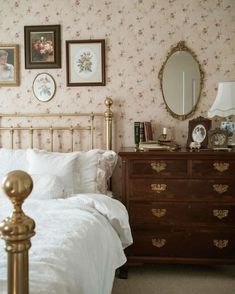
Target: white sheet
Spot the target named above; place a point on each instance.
(78, 244)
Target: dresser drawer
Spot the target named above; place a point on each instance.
(216, 190)
(213, 244)
(164, 213)
(162, 244)
(213, 168)
(159, 189)
(158, 168)
(218, 214)
(199, 244)
(159, 213)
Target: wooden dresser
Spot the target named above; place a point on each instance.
(181, 205)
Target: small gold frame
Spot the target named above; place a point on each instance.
(217, 138)
(12, 66)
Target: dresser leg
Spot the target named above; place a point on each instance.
(123, 272)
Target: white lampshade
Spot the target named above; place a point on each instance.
(224, 104)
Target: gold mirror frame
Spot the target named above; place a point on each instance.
(181, 47)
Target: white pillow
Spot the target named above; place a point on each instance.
(95, 167)
(13, 159)
(47, 187)
(58, 164)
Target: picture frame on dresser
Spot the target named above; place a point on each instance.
(42, 46)
(218, 138)
(85, 62)
(198, 129)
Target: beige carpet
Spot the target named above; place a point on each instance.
(177, 279)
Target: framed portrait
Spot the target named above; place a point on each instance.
(44, 87)
(9, 65)
(218, 139)
(42, 46)
(198, 129)
(85, 62)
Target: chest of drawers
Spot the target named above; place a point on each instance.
(181, 205)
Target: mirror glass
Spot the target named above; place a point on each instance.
(181, 80)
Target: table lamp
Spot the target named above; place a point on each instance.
(224, 106)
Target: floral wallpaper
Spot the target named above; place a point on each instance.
(138, 35)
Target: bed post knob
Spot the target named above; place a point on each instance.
(17, 230)
(17, 185)
(108, 102)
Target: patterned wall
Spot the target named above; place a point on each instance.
(138, 35)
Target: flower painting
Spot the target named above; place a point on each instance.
(42, 46)
(44, 87)
(85, 62)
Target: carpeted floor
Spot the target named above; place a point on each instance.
(177, 279)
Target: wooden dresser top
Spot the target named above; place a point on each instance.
(130, 152)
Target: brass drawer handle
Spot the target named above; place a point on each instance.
(220, 243)
(158, 187)
(220, 188)
(158, 242)
(221, 166)
(220, 213)
(158, 166)
(158, 212)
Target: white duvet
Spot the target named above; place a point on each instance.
(78, 244)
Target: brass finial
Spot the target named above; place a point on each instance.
(108, 102)
(17, 229)
(17, 185)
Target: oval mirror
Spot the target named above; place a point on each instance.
(181, 79)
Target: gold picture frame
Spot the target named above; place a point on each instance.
(217, 138)
(9, 65)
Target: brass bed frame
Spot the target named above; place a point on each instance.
(18, 228)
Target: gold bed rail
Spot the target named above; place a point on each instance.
(108, 116)
(18, 228)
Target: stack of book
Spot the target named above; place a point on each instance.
(143, 132)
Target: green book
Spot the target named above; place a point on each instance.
(137, 132)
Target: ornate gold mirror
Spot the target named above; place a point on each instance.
(181, 79)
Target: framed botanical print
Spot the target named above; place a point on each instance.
(198, 129)
(44, 87)
(42, 46)
(85, 62)
(9, 65)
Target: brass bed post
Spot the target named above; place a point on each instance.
(17, 230)
(108, 121)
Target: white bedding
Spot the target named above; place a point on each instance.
(78, 244)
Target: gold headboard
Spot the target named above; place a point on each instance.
(26, 129)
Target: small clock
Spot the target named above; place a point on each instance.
(218, 138)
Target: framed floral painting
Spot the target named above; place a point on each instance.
(44, 87)
(85, 61)
(9, 65)
(42, 46)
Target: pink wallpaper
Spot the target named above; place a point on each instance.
(138, 35)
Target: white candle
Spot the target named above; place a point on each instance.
(164, 131)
